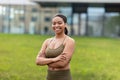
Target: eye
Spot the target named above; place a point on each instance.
(60, 22)
(53, 23)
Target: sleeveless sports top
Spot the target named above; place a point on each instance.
(51, 53)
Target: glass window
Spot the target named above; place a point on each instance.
(6, 18)
(46, 29)
(22, 18)
(34, 19)
(0, 10)
(47, 19)
(47, 11)
(34, 10)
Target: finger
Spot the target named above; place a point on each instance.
(63, 57)
(63, 54)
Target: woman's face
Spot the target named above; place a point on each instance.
(58, 25)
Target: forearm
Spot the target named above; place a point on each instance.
(61, 63)
(58, 64)
(44, 61)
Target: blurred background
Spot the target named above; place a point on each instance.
(85, 17)
(93, 24)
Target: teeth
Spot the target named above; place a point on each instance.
(58, 28)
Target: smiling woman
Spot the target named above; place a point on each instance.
(56, 52)
(59, 21)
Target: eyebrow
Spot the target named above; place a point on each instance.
(56, 21)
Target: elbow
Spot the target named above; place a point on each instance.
(39, 63)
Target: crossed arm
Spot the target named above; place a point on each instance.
(41, 59)
(59, 61)
(67, 53)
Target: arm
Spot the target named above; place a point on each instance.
(42, 60)
(67, 53)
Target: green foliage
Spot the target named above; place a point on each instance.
(93, 59)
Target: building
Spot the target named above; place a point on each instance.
(93, 16)
(25, 17)
(85, 17)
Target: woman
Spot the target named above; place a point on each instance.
(57, 52)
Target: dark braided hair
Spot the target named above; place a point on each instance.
(64, 20)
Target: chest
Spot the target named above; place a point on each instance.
(51, 53)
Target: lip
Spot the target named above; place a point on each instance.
(57, 29)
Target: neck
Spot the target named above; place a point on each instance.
(60, 35)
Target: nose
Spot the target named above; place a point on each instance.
(56, 25)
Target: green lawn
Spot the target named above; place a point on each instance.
(94, 58)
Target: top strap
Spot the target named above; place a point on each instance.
(64, 39)
(51, 41)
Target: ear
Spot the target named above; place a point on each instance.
(65, 24)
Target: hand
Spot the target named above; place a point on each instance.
(61, 57)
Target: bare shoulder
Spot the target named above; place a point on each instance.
(47, 41)
(70, 40)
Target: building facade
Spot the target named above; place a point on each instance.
(85, 18)
(26, 19)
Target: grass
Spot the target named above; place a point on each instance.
(94, 58)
